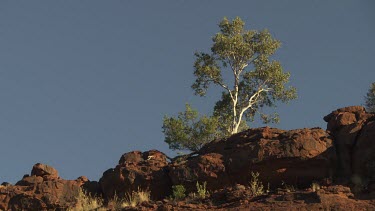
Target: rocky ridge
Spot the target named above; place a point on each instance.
(341, 160)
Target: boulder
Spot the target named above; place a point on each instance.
(136, 170)
(353, 130)
(42, 170)
(43, 190)
(208, 168)
(295, 157)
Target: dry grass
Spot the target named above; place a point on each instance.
(135, 198)
(86, 202)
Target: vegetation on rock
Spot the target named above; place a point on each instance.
(87, 202)
(189, 131)
(256, 186)
(202, 190)
(178, 192)
(258, 82)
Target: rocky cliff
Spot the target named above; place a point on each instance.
(341, 160)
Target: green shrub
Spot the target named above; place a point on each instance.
(178, 192)
(201, 190)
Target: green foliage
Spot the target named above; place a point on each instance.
(189, 131)
(258, 80)
(178, 192)
(370, 99)
(256, 187)
(201, 190)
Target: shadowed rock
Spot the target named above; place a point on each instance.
(353, 130)
(295, 157)
(137, 170)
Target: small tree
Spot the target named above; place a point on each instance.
(189, 131)
(370, 98)
(258, 81)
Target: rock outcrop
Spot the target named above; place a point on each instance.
(42, 190)
(353, 130)
(295, 157)
(137, 170)
(340, 160)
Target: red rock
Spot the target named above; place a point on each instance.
(363, 154)
(136, 170)
(42, 170)
(43, 190)
(296, 157)
(354, 137)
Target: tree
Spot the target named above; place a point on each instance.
(370, 98)
(258, 81)
(189, 131)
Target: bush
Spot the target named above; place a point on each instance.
(178, 192)
(256, 187)
(201, 190)
(189, 131)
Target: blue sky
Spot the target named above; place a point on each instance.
(82, 82)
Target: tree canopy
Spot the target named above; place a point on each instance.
(239, 62)
(189, 130)
(257, 80)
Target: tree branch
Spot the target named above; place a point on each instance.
(222, 85)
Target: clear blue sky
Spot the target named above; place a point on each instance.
(82, 82)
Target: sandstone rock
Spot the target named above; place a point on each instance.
(296, 157)
(136, 170)
(6, 184)
(208, 168)
(42, 170)
(26, 202)
(363, 156)
(30, 181)
(353, 130)
(91, 188)
(43, 190)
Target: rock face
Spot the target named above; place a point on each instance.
(353, 130)
(41, 170)
(294, 157)
(43, 190)
(137, 170)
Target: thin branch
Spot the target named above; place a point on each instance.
(222, 85)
